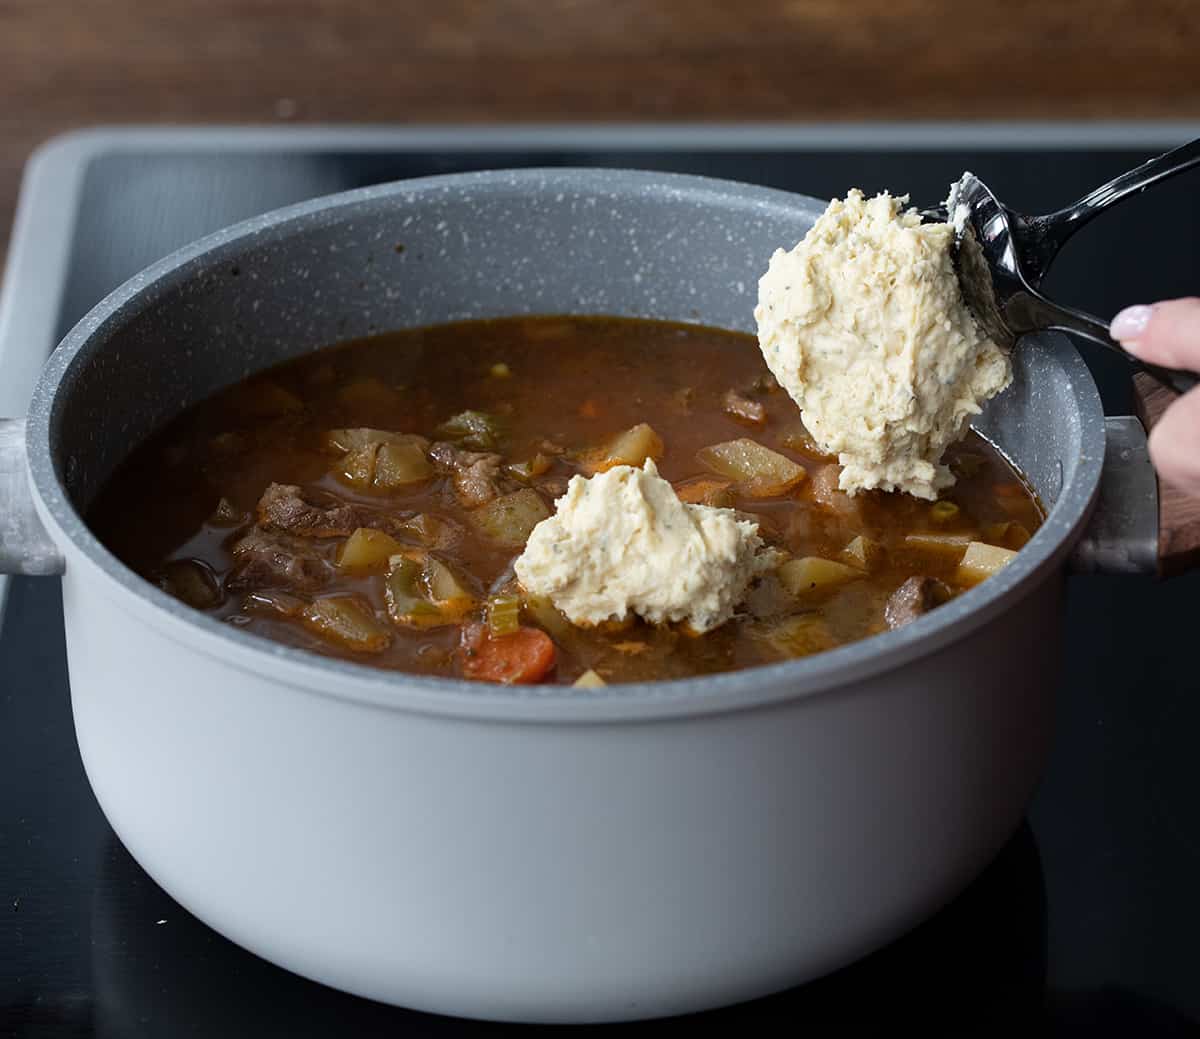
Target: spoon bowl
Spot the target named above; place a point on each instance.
(1001, 257)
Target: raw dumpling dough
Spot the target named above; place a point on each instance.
(864, 325)
(622, 542)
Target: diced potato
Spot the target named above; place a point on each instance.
(943, 548)
(357, 468)
(398, 464)
(476, 430)
(370, 393)
(538, 465)
(367, 550)
(826, 492)
(443, 587)
(347, 621)
(632, 447)
(353, 439)
(706, 491)
(812, 576)
(380, 460)
(508, 520)
(800, 635)
(589, 680)
(1008, 535)
(193, 582)
(865, 553)
(823, 483)
(758, 471)
(981, 561)
(405, 594)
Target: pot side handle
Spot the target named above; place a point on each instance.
(25, 547)
(1122, 535)
(1178, 513)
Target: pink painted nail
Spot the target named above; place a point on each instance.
(1130, 323)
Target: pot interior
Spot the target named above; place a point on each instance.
(473, 246)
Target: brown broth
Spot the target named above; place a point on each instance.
(574, 381)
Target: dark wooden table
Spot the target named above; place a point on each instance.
(66, 64)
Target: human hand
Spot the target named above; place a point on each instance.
(1168, 333)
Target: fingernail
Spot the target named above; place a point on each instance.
(1130, 323)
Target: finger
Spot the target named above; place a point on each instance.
(1175, 443)
(1166, 333)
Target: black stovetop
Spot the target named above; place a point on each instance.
(1087, 924)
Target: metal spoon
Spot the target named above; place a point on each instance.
(1001, 257)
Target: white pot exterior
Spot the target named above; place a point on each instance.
(542, 871)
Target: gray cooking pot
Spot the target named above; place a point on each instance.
(535, 854)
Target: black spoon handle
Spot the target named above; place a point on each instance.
(1039, 312)
(1041, 237)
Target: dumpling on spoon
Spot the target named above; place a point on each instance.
(864, 324)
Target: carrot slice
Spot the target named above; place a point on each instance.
(524, 657)
(705, 491)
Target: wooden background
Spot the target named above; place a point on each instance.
(70, 63)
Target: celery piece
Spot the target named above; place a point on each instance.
(504, 614)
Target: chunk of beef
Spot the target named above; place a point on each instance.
(285, 508)
(743, 409)
(554, 487)
(264, 559)
(475, 474)
(918, 595)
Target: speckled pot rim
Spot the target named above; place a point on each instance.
(755, 687)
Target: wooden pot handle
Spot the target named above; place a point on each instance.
(1178, 513)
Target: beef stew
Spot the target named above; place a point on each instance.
(368, 501)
